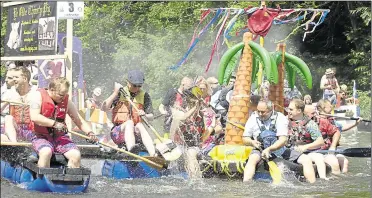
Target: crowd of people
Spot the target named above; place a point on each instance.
(195, 116)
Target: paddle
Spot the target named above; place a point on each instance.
(28, 144)
(169, 150)
(275, 172)
(14, 102)
(350, 152)
(151, 161)
(347, 118)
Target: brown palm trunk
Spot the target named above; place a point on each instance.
(239, 104)
(277, 90)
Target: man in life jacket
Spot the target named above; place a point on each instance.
(18, 125)
(331, 135)
(126, 119)
(303, 135)
(175, 98)
(266, 130)
(48, 110)
(330, 86)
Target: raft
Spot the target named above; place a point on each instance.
(18, 168)
(228, 161)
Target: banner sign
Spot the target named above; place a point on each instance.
(49, 69)
(31, 29)
(70, 10)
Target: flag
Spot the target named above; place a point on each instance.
(354, 90)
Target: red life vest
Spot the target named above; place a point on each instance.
(51, 111)
(331, 82)
(324, 128)
(21, 115)
(298, 134)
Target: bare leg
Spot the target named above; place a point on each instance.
(74, 158)
(128, 129)
(308, 168)
(344, 163)
(192, 165)
(320, 165)
(146, 139)
(333, 162)
(4, 138)
(250, 167)
(44, 157)
(10, 128)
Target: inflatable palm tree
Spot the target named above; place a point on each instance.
(252, 55)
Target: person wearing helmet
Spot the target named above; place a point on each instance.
(126, 119)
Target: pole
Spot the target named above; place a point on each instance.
(68, 63)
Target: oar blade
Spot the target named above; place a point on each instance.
(157, 160)
(357, 152)
(275, 172)
(168, 149)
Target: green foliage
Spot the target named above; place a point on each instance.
(365, 104)
(119, 36)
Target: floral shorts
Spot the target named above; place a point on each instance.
(59, 144)
(116, 135)
(24, 133)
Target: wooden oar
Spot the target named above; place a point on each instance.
(346, 118)
(147, 160)
(28, 144)
(15, 102)
(275, 172)
(350, 152)
(174, 151)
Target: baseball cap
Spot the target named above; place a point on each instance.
(136, 77)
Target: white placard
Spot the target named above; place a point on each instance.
(70, 10)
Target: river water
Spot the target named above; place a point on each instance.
(356, 183)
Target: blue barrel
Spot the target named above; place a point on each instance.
(128, 169)
(16, 178)
(262, 177)
(8, 171)
(2, 168)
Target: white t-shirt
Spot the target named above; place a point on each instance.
(252, 127)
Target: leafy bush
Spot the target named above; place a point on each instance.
(365, 104)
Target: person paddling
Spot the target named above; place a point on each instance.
(174, 98)
(48, 110)
(303, 135)
(266, 130)
(186, 129)
(332, 136)
(126, 119)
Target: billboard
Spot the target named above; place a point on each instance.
(31, 29)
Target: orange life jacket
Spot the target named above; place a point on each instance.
(124, 111)
(21, 115)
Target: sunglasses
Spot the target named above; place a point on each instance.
(138, 86)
